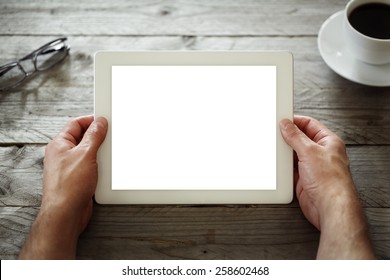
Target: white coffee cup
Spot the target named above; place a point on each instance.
(367, 49)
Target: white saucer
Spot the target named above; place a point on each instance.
(333, 50)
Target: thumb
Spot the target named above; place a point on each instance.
(94, 135)
(294, 137)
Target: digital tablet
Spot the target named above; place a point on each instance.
(194, 127)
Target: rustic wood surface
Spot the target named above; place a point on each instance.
(33, 113)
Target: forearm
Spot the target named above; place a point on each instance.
(344, 233)
(50, 238)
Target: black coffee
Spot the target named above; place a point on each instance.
(372, 20)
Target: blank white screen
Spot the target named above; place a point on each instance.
(194, 127)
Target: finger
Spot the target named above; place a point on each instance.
(296, 177)
(294, 137)
(314, 129)
(95, 135)
(74, 129)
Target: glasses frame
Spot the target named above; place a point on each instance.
(33, 56)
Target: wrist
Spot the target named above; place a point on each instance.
(339, 206)
(336, 195)
(344, 232)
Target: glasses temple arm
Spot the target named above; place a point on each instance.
(45, 50)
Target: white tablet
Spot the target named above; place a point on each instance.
(194, 127)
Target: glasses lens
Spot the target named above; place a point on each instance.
(51, 56)
(11, 76)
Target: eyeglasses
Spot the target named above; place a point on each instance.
(12, 74)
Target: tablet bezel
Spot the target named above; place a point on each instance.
(283, 61)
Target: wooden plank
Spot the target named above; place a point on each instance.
(370, 168)
(198, 233)
(39, 121)
(35, 112)
(125, 232)
(15, 223)
(379, 226)
(133, 249)
(358, 126)
(21, 175)
(205, 17)
(310, 71)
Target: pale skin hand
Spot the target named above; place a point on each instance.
(325, 190)
(69, 182)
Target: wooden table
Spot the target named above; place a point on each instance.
(33, 113)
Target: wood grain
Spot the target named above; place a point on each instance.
(35, 112)
(14, 227)
(200, 233)
(167, 232)
(204, 17)
(21, 175)
(126, 232)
